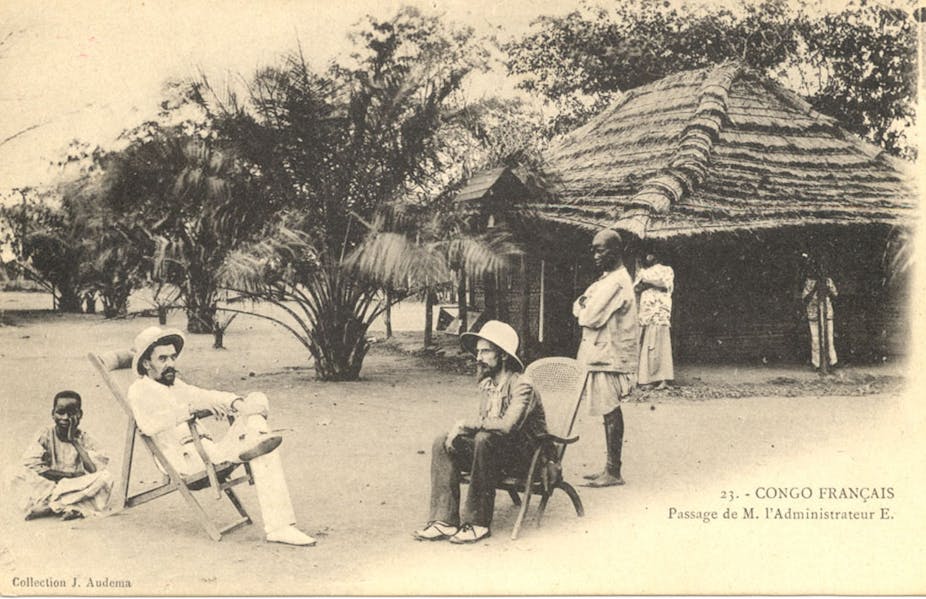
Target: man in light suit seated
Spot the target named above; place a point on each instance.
(162, 403)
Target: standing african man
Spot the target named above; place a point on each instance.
(607, 313)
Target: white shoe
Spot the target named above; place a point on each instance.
(290, 535)
(470, 533)
(435, 531)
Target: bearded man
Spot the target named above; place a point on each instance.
(498, 441)
(162, 404)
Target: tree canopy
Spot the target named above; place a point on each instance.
(857, 64)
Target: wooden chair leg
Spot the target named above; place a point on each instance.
(574, 496)
(527, 493)
(233, 497)
(542, 507)
(128, 452)
(515, 498)
(204, 518)
(523, 511)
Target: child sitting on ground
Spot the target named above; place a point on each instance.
(62, 471)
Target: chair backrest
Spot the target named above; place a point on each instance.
(108, 363)
(559, 381)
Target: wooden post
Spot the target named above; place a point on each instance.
(387, 315)
(428, 317)
(461, 303)
(525, 307)
(491, 296)
(543, 289)
(501, 297)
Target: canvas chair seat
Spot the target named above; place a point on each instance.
(217, 476)
(560, 383)
(200, 480)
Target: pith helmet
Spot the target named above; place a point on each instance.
(497, 332)
(154, 336)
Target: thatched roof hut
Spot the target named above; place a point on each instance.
(719, 149)
(732, 177)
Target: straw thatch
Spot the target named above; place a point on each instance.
(719, 149)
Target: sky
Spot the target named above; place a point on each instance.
(88, 70)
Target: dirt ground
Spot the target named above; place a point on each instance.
(357, 465)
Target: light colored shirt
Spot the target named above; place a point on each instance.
(512, 406)
(610, 329)
(47, 451)
(656, 304)
(494, 400)
(161, 411)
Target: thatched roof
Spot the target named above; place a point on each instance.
(481, 184)
(719, 149)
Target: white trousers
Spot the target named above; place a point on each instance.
(815, 342)
(276, 506)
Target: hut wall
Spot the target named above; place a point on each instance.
(737, 298)
(560, 334)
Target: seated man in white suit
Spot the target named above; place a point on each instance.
(162, 403)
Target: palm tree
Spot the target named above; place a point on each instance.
(335, 148)
(435, 252)
(195, 201)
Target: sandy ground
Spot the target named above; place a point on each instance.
(357, 465)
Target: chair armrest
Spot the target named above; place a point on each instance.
(198, 444)
(557, 439)
(200, 414)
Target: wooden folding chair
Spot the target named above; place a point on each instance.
(216, 476)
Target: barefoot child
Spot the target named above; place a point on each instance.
(62, 471)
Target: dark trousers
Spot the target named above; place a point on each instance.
(487, 457)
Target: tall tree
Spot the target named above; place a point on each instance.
(46, 243)
(860, 67)
(195, 202)
(856, 64)
(335, 148)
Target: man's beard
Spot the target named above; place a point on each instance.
(168, 376)
(484, 371)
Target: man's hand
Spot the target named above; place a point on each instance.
(205, 409)
(72, 430)
(455, 432)
(219, 409)
(56, 475)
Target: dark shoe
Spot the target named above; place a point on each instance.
(264, 444)
(71, 515)
(435, 530)
(470, 534)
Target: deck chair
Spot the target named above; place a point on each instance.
(216, 476)
(558, 380)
